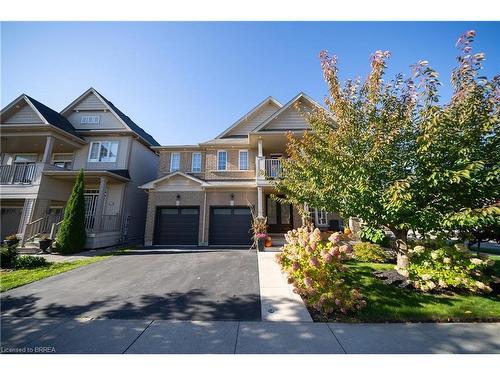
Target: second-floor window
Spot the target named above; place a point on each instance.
(175, 161)
(62, 160)
(221, 160)
(243, 160)
(196, 162)
(103, 151)
(90, 119)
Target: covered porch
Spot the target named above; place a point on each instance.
(104, 193)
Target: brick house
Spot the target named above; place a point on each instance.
(203, 192)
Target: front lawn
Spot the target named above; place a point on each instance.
(388, 303)
(10, 279)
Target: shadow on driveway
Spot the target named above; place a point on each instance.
(178, 286)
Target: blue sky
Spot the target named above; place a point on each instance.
(185, 82)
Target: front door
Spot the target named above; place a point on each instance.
(279, 216)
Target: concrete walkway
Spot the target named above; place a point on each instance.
(59, 258)
(32, 335)
(278, 301)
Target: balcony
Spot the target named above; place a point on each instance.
(268, 169)
(17, 174)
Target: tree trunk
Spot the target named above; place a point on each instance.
(401, 248)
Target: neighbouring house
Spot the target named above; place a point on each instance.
(42, 152)
(202, 193)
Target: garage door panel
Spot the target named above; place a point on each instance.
(177, 226)
(230, 226)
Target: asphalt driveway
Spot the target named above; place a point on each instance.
(151, 284)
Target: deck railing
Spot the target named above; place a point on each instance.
(22, 174)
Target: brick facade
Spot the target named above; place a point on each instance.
(194, 198)
(209, 164)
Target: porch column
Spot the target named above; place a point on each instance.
(49, 145)
(259, 145)
(103, 183)
(259, 202)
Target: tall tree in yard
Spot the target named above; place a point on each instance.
(389, 153)
(71, 236)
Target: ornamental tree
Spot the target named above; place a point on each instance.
(71, 235)
(388, 152)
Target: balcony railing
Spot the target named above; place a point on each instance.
(273, 168)
(268, 169)
(22, 174)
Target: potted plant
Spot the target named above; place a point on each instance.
(260, 239)
(44, 243)
(259, 230)
(11, 240)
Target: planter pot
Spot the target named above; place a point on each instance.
(10, 243)
(269, 242)
(44, 244)
(260, 244)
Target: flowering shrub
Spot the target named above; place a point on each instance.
(449, 267)
(314, 267)
(370, 252)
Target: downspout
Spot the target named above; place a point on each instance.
(204, 216)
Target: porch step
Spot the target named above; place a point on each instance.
(28, 248)
(278, 239)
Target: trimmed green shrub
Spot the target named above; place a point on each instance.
(29, 261)
(71, 236)
(8, 255)
(370, 252)
(316, 270)
(449, 267)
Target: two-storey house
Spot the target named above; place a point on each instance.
(42, 151)
(203, 192)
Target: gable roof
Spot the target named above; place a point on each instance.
(296, 98)
(254, 110)
(47, 114)
(123, 118)
(151, 184)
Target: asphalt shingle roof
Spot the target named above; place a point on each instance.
(53, 117)
(132, 125)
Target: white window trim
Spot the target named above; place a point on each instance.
(192, 162)
(218, 152)
(239, 160)
(172, 159)
(316, 218)
(99, 152)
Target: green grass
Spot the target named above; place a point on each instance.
(387, 303)
(10, 279)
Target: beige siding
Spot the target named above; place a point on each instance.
(250, 123)
(81, 155)
(23, 115)
(107, 120)
(290, 119)
(89, 102)
(142, 167)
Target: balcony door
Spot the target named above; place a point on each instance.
(279, 216)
